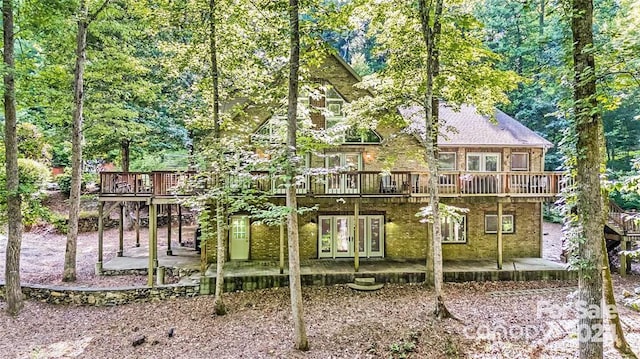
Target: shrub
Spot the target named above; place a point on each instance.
(31, 143)
(33, 177)
(64, 181)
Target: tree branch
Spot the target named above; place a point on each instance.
(100, 9)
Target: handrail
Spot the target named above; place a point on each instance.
(374, 183)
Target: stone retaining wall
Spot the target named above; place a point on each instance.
(103, 296)
(90, 223)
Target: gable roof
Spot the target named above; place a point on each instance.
(474, 129)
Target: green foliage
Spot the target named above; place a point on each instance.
(33, 177)
(64, 181)
(551, 213)
(61, 154)
(162, 160)
(31, 143)
(60, 223)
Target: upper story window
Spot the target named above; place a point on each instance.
(520, 161)
(332, 109)
(483, 162)
(447, 161)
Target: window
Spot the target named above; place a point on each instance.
(519, 161)
(447, 161)
(453, 231)
(491, 223)
(483, 162)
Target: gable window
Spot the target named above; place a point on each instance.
(483, 162)
(447, 161)
(452, 230)
(520, 161)
(491, 223)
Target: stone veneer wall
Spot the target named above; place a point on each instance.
(104, 296)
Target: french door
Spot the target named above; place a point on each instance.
(342, 182)
(336, 237)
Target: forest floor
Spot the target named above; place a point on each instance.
(496, 319)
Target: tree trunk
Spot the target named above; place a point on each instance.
(69, 274)
(219, 306)
(619, 341)
(14, 203)
(295, 286)
(589, 161)
(125, 154)
(431, 103)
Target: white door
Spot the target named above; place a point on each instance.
(239, 238)
(347, 180)
(343, 236)
(336, 237)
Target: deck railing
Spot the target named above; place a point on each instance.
(158, 183)
(365, 183)
(628, 222)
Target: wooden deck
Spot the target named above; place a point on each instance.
(168, 184)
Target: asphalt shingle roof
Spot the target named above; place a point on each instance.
(472, 128)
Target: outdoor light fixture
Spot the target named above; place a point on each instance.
(388, 219)
(313, 220)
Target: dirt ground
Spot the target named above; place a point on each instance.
(496, 320)
(394, 322)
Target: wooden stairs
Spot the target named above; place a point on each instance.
(622, 224)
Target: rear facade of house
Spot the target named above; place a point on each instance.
(491, 166)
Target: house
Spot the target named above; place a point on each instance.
(377, 178)
(493, 167)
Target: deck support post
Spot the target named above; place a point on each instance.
(100, 237)
(137, 224)
(356, 235)
(499, 235)
(152, 216)
(155, 236)
(281, 248)
(623, 257)
(169, 251)
(121, 231)
(180, 225)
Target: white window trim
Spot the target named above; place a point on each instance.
(455, 161)
(483, 161)
(368, 252)
(520, 153)
(463, 226)
(513, 227)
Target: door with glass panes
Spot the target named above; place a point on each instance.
(345, 178)
(336, 237)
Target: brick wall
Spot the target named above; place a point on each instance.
(406, 237)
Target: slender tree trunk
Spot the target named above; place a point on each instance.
(589, 197)
(295, 285)
(125, 154)
(69, 274)
(219, 306)
(14, 203)
(619, 341)
(431, 103)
